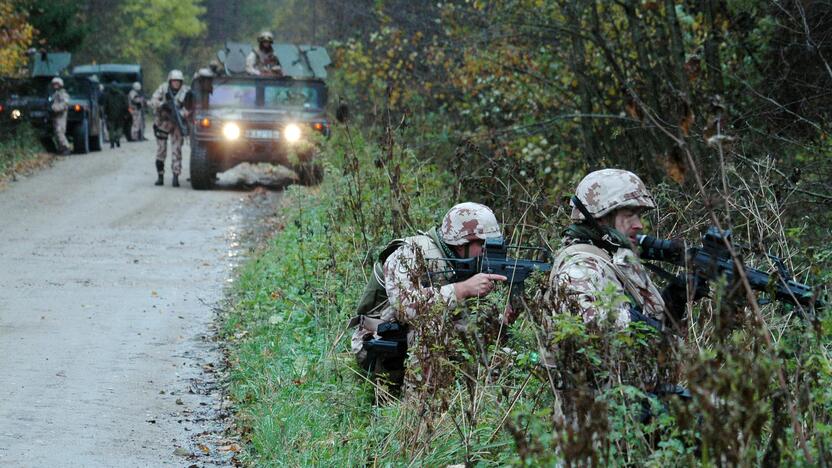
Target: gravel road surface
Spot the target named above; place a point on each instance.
(107, 289)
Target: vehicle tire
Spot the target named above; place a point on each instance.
(97, 141)
(81, 138)
(203, 173)
(309, 173)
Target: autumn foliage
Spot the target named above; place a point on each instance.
(15, 38)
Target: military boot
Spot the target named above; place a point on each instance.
(160, 169)
(175, 180)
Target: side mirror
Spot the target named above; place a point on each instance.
(342, 112)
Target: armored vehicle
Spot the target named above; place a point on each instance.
(121, 75)
(273, 119)
(29, 101)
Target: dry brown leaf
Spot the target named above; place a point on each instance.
(229, 448)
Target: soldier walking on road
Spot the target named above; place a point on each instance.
(60, 108)
(171, 96)
(262, 61)
(115, 108)
(136, 101)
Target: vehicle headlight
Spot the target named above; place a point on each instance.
(16, 114)
(292, 133)
(231, 131)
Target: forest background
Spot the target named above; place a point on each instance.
(722, 106)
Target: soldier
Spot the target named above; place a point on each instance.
(598, 274)
(114, 103)
(60, 107)
(600, 251)
(262, 61)
(171, 96)
(135, 101)
(397, 291)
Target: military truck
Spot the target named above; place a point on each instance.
(121, 75)
(29, 101)
(260, 119)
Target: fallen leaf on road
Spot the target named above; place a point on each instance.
(204, 448)
(229, 448)
(182, 452)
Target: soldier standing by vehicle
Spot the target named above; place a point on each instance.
(262, 61)
(60, 107)
(135, 100)
(170, 97)
(411, 276)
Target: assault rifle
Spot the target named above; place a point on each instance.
(713, 260)
(170, 99)
(495, 260)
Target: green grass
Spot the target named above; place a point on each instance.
(18, 145)
(301, 402)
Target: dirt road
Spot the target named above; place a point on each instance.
(106, 291)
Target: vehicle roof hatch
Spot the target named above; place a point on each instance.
(50, 64)
(297, 61)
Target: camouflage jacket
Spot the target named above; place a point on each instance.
(60, 102)
(409, 286)
(135, 99)
(159, 97)
(583, 275)
(259, 62)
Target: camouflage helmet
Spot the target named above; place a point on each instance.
(176, 75)
(137, 86)
(57, 80)
(607, 190)
(265, 36)
(468, 221)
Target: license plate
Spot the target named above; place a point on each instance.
(262, 134)
(38, 113)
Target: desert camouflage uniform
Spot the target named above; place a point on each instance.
(60, 108)
(165, 122)
(136, 101)
(583, 277)
(259, 62)
(583, 272)
(407, 273)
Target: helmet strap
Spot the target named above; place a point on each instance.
(603, 233)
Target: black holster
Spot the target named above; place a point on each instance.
(160, 134)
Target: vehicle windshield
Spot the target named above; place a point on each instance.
(79, 87)
(292, 95)
(125, 77)
(267, 94)
(234, 95)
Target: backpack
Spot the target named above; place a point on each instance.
(374, 297)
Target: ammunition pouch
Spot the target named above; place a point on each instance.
(159, 133)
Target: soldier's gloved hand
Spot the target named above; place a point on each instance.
(477, 286)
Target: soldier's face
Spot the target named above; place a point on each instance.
(474, 249)
(628, 222)
(175, 84)
(265, 45)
